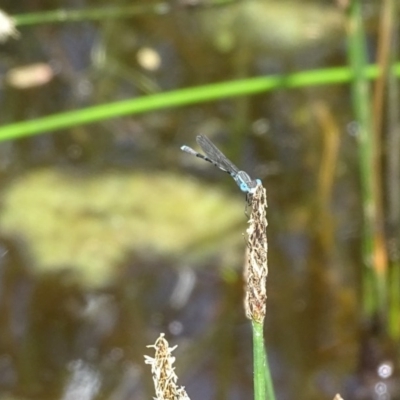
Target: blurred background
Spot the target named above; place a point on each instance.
(109, 234)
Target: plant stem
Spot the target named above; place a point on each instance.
(260, 362)
(263, 386)
(182, 97)
(374, 279)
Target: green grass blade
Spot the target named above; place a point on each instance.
(180, 98)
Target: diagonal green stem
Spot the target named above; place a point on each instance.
(182, 97)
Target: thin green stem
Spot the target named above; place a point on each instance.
(394, 309)
(263, 386)
(374, 286)
(392, 179)
(182, 97)
(269, 387)
(101, 13)
(65, 15)
(260, 362)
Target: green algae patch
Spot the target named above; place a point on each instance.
(90, 223)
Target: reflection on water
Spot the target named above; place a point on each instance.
(89, 223)
(82, 332)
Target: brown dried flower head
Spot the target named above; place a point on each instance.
(164, 377)
(257, 266)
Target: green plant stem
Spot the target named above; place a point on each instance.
(260, 362)
(182, 97)
(392, 179)
(101, 13)
(394, 309)
(374, 287)
(263, 387)
(65, 15)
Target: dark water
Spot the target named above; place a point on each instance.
(111, 235)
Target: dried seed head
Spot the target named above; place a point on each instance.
(164, 377)
(338, 397)
(257, 266)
